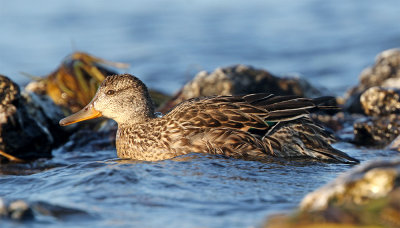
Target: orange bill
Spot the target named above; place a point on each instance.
(86, 113)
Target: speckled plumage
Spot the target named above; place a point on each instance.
(249, 127)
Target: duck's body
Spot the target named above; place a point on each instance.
(252, 126)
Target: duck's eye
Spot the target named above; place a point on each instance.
(110, 92)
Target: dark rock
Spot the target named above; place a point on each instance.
(385, 72)
(376, 131)
(47, 114)
(21, 135)
(379, 101)
(86, 139)
(239, 80)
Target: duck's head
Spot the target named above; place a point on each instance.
(123, 98)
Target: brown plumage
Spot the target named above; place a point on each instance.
(250, 127)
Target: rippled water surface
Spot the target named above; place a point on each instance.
(95, 189)
(166, 42)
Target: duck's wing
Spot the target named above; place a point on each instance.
(250, 112)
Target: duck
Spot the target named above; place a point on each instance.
(252, 126)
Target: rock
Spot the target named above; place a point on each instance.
(367, 195)
(376, 96)
(376, 131)
(57, 211)
(20, 210)
(73, 84)
(372, 180)
(385, 72)
(21, 136)
(43, 110)
(93, 139)
(379, 101)
(16, 210)
(387, 66)
(238, 80)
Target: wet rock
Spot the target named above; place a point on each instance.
(240, 79)
(376, 131)
(57, 211)
(93, 139)
(21, 136)
(43, 110)
(371, 180)
(385, 73)
(366, 195)
(20, 210)
(16, 210)
(379, 101)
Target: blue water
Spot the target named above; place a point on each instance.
(191, 191)
(166, 43)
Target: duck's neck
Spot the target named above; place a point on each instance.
(140, 111)
(134, 119)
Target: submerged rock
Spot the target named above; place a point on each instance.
(21, 136)
(385, 73)
(20, 210)
(16, 210)
(366, 195)
(239, 80)
(57, 211)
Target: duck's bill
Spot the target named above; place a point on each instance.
(86, 113)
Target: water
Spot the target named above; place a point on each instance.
(192, 191)
(167, 42)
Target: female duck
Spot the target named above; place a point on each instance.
(252, 126)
